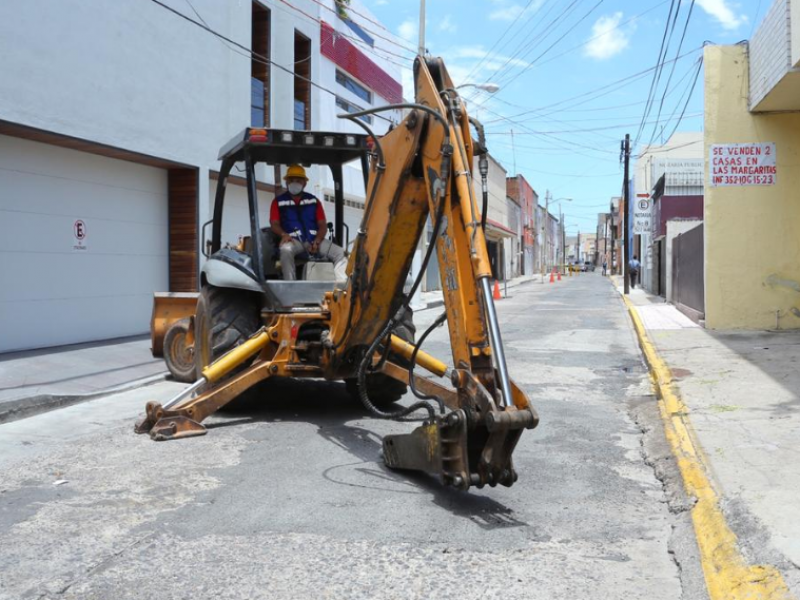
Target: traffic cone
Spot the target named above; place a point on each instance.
(559, 274)
(552, 276)
(496, 293)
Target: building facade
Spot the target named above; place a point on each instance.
(527, 199)
(111, 118)
(680, 162)
(751, 211)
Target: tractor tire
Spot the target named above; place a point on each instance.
(384, 391)
(224, 319)
(178, 357)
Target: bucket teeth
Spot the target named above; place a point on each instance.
(174, 428)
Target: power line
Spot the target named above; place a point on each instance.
(671, 72)
(502, 38)
(551, 46)
(535, 40)
(662, 55)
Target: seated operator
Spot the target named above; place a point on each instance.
(298, 219)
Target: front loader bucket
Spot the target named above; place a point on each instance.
(168, 308)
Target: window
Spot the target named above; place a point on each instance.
(359, 32)
(259, 69)
(302, 82)
(351, 108)
(352, 85)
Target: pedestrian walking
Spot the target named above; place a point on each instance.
(633, 269)
(605, 267)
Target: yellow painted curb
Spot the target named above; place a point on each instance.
(727, 574)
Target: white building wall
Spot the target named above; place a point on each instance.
(53, 293)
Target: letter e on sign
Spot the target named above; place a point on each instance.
(79, 232)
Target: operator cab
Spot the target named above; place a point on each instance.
(252, 264)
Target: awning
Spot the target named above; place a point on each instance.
(498, 229)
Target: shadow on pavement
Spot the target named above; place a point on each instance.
(329, 407)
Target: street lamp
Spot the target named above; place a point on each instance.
(486, 87)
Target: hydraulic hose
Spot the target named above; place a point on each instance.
(362, 382)
(413, 361)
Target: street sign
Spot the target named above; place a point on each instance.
(742, 164)
(79, 233)
(642, 216)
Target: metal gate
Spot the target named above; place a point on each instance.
(688, 287)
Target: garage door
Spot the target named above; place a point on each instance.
(83, 245)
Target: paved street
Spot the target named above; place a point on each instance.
(286, 496)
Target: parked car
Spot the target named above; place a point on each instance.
(587, 266)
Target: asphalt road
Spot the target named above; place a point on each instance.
(286, 497)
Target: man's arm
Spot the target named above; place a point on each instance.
(275, 223)
(322, 227)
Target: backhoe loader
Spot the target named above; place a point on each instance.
(249, 325)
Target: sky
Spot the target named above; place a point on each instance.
(575, 76)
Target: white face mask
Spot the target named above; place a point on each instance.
(295, 188)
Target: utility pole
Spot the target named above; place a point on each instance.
(513, 152)
(421, 50)
(612, 233)
(545, 250)
(626, 151)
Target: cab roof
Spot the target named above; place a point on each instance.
(285, 147)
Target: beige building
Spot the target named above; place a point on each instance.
(752, 154)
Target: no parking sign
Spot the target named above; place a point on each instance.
(79, 233)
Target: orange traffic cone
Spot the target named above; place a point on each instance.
(552, 276)
(496, 293)
(559, 274)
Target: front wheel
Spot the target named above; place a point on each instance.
(225, 318)
(179, 357)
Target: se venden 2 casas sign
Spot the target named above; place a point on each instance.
(742, 164)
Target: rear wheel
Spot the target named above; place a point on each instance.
(224, 319)
(177, 355)
(383, 391)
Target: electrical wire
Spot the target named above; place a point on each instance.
(662, 55)
(671, 73)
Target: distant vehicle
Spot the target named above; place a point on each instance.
(588, 266)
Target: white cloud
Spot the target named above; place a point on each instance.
(510, 11)
(506, 13)
(381, 2)
(447, 25)
(408, 30)
(608, 39)
(722, 12)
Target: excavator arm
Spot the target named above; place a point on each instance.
(422, 169)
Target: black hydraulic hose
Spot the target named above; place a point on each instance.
(439, 320)
(410, 105)
(483, 167)
(362, 382)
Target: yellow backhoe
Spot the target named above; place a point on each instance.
(249, 325)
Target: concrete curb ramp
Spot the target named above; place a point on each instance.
(727, 574)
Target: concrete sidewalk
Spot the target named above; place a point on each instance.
(38, 380)
(35, 381)
(742, 392)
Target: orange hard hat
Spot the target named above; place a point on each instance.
(296, 171)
